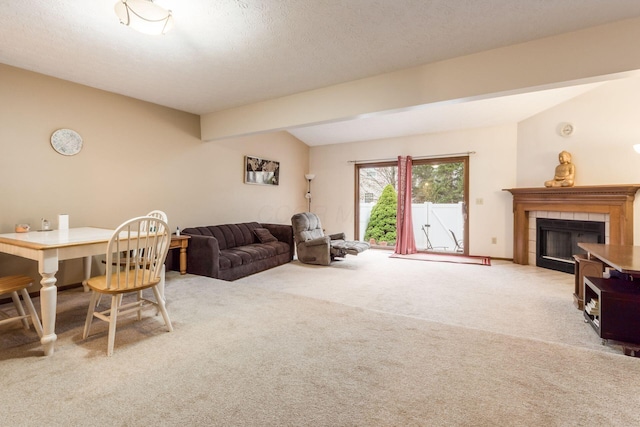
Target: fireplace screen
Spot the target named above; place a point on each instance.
(557, 241)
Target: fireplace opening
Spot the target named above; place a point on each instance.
(557, 241)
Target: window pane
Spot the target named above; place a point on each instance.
(371, 184)
(438, 205)
(374, 179)
(438, 201)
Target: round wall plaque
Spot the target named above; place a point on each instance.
(66, 142)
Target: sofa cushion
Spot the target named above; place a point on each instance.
(264, 235)
(242, 255)
(238, 234)
(228, 235)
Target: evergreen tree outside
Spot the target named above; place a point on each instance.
(382, 222)
(446, 183)
(438, 183)
(421, 175)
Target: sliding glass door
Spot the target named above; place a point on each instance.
(439, 201)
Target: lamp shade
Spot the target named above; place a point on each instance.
(144, 16)
(309, 176)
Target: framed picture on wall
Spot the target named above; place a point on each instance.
(261, 171)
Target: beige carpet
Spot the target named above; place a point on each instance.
(369, 341)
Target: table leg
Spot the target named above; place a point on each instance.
(48, 266)
(87, 272)
(183, 259)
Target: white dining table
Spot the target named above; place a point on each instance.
(47, 248)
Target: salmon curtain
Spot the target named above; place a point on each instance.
(405, 240)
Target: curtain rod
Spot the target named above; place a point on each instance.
(435, 156)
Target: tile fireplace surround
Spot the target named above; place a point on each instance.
(610, 203)
(573, 216)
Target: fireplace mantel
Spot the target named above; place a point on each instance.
(615, 200)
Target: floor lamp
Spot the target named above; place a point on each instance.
(309, 177)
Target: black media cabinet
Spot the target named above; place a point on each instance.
(618, 308)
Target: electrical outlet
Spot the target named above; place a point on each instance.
(494, 240)
(479, 201)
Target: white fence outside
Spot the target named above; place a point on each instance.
(437, 220)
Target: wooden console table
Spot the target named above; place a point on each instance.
(624, 258)
(181, 242)
(585, 265)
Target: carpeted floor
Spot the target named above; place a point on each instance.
(368, 341)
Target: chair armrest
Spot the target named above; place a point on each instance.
(315, 251)
(203, 256)
(324, 240)
(338, 236)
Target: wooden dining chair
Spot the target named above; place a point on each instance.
(158, 214)
(12, 285)
(140, 246)
(155, 214)
(163, 216)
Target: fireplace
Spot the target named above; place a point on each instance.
(557, 241)
(615, 201)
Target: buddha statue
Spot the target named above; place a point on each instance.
(565, 172)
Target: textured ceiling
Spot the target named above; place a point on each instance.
(227, 53)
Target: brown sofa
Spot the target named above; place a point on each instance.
(232, 251)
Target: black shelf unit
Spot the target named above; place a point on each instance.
(619, 308)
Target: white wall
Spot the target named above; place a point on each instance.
(492, 168)
(606, 125)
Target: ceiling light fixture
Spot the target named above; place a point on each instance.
(144, 16)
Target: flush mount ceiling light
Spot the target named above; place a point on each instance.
(144, 16)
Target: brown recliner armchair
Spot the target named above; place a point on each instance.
(314, 247)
